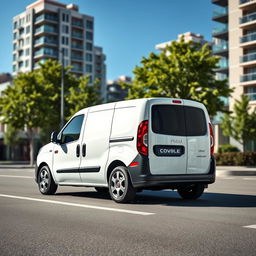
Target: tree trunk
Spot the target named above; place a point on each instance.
(31, 138)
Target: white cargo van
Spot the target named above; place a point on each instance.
(128, 146)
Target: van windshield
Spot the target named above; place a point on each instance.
(178, 120)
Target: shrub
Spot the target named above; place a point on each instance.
(227, 148)
(236, 158)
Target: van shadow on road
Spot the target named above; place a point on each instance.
(170, 198)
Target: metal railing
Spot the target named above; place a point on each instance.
(248, 18)
(248, 77)
(248, 38)
(220, 47)
(220, 12)
(248, 57)
(251, 96)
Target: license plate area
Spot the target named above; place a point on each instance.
(168, 150)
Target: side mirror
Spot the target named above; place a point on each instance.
(54, 138)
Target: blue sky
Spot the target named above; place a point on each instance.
(126, 29)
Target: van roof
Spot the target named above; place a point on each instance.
(135, 102)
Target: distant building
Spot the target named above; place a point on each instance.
(114, 91)
(188, 36)
(46, 29)
(5, 77)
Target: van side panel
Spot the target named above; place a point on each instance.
(96, 138)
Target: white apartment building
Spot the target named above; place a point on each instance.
(47, 29)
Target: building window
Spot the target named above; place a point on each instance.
(14, 46)
(89, 46)
(15, 24)
(27, 63)
(27, 52)
(65, 51)
(14, 68)
(21, 64)
(89, 24)
(66, 63)
(89, 35)
(88, 68)
(21, 53)
(65, 17)
(27, 29)
(65, 29)
(14, 57)
(88, 57)
(14, 35)
(27, 40)
(65, 40)
(28, 18)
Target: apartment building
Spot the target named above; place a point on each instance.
(48, 29)
(235, 42)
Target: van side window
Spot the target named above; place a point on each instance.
(168, 119)
(195, 121)
(72, 130)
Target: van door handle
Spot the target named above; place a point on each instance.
(78, 150)
(84, 150)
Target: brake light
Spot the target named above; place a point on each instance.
(142, 138)
(211, 139)
(177, 101)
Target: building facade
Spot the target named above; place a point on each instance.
(48, 29)
(235, 42)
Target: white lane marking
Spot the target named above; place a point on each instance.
(78, 205)
(16, 176)
(249, 178)
(250, 226)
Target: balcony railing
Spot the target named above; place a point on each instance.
(77, 23)
(220, 12)
(78, 35)
(77, 69)
(223, 63)
(48, 40)
(248, 77)
(46, 51)
(77, 46)
(46, 28)
(221, 29)
(76, 57)
(251, 96)
(46, 16)
(248, 38)
(248, 57)
(248, 18)
(220, 47)
(245, 1)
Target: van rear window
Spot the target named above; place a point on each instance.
(178, 120)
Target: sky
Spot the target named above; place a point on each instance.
(126, 29)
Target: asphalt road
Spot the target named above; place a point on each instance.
(80, 221)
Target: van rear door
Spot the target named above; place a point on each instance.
(167, 140)
(198, 139)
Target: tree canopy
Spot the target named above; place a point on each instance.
(182, 70)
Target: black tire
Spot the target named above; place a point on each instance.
(192, 191)
(101, 190)
(120, 186)
(46, 184)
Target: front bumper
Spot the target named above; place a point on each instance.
(142, 178)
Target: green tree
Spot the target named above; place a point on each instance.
(82, 96)
(22, 106)
(181, 70)
(241, 125)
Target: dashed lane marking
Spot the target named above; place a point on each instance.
(16, 176)
(78, 205)
(250, 226)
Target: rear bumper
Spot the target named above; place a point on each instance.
(142, 178)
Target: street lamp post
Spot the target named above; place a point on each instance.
(62, 90)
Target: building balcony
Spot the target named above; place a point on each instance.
(222, 66)
(77, 24)
(77, 35)
(77, 47)
(248, 21)
(45, 40)
(47, 17)
(220, 49)
(220, 32)
(46, 29)
(248, 59)
(251, 96)
(248, 78)
(247, 4)
(46, 52)
(248, 39)
(220, 2)
(77, 57)
(220, 15)
(77, 69)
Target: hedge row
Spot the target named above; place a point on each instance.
(236, 158)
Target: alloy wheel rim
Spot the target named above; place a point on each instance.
(118, 184)
(44, 180)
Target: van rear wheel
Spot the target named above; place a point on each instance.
(120, 186)
(192, 191)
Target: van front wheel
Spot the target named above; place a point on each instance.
(46, 184)
(120, 186)
(192, 191)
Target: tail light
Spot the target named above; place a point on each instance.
(142, 138)
(211, 139)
